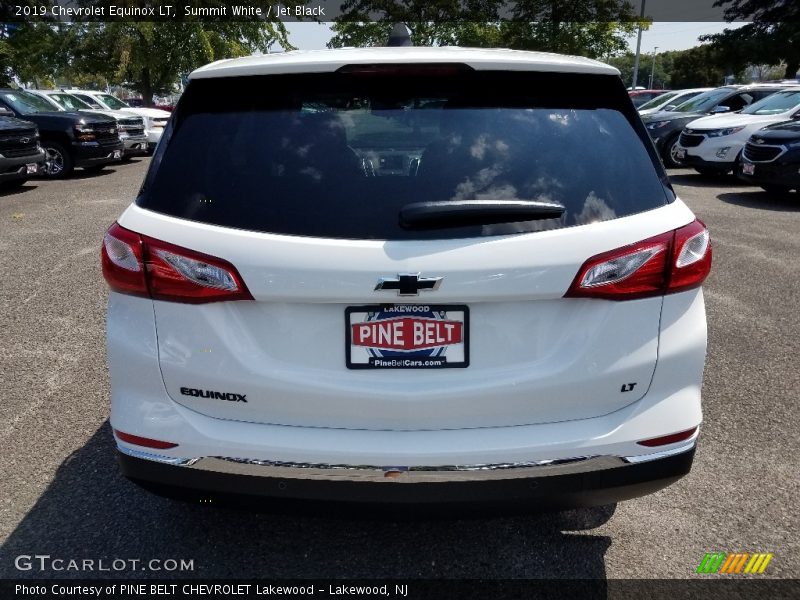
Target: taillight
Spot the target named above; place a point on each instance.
(144, 266)
(123, 261)
(692, 257)
(667, 263)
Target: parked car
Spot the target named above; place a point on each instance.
(639, 97)
(504, 304)
(665, 127)
(21, 156)
(771, 158)
(155, 120)
(712, 145)
(670, 100)
(131, 129)
(69, 139)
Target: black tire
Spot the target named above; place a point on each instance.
(58, 161)
(776, 190)
(668, 155)
(13, 184)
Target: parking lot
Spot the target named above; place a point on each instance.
(62, 494)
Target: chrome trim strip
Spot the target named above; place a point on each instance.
(404, 474)
(169, 460)
(391, 474)
(662, 454)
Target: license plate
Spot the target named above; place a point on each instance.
(31, 168)
(407, 336)
(117, 153)
(748, 168)
(680, 153)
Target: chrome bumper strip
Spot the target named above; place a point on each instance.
(402, 474)
(663, 454)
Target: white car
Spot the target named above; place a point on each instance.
(670, 100)
(406, 275)
(155, 120)
(131, 128)
(713, 145)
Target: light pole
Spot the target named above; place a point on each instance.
(653, 70)
(638, 48)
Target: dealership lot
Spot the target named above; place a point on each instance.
(62, 495)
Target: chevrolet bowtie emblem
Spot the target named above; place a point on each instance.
(408, 284)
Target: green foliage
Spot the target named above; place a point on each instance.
(146, 56)
(594, 28)
(697, 67)
(661, 76)
(150, 56)
(772, 37)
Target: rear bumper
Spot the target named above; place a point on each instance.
(574, 483)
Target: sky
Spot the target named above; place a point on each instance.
(664, 35)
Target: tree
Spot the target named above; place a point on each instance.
(697, 67)
(772, 37)
(150, 56)
(663, 71)
(594, 28)
(147, 56)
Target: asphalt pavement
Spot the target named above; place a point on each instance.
(61, 493)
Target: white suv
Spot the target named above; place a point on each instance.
(407, 275)
(155, 120)
(713, 145)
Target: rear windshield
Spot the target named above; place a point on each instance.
(339, 155)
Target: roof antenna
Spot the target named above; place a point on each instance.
(400, 36)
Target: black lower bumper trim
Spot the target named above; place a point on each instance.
(574, 490)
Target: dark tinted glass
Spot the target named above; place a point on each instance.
(338, 155)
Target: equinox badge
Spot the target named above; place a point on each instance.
(408, 284)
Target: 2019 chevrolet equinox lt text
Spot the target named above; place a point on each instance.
(407, 275)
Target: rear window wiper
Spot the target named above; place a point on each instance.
(456, 213)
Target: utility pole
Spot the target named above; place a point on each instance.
(653, 70)
(638, 48)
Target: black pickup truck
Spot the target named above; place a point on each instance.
(21, 157)
(70, 139)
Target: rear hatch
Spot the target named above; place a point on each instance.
(407, 240)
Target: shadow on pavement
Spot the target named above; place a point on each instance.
(90, 511)
(28, 186)
(79, 173)
(764, 200)
(694, 179)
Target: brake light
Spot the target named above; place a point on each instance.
(664, 264)
(144, 266)
(408, 70)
